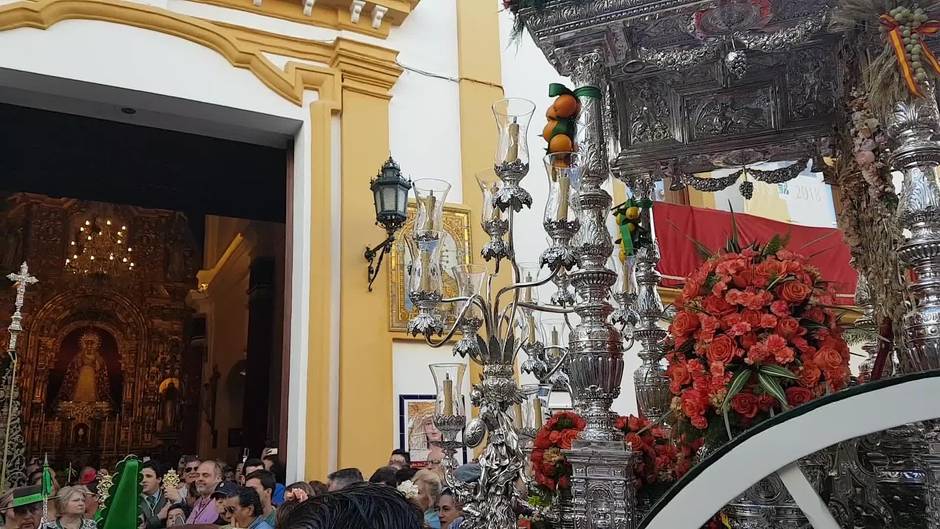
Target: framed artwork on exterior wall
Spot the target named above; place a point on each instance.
(456, 250)
(416, 430)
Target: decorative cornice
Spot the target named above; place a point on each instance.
(366, 69)
(352, 65)
(347, 15)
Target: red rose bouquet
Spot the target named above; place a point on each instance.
(663, 460)
(549, 465)
(753, 334)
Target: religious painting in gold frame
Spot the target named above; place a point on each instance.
(456, 251)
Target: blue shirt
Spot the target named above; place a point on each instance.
(432, 519)
(278, 497)
(260, 523)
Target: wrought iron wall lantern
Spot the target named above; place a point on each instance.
(390, 192)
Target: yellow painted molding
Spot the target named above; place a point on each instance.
(366, 69)
(365, 66)
(330, 14)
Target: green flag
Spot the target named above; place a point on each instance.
(120, 510)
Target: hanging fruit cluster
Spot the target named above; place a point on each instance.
(562, 117)
(905, 29)
(632, 233)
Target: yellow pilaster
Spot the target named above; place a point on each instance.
(478, 61)
(365, 363)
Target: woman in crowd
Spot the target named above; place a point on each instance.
(176, 514)
(71, 504)
(245, 508)
(429, 492)
(449, 510)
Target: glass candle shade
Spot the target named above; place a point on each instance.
(555, 332)
(564, 178)
(512, 122)
(426, 263)
(489, 186)
(448, 380)
(430, 194)
(472, 280)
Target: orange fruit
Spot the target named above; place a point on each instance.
(566, 106)
(560, 143)
(549, 128)
(550, 113)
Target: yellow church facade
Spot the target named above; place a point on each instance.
(327, 76)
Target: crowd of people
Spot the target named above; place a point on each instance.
(250, 495)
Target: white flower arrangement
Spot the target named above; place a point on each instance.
(409, 489)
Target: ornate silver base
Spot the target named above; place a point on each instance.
(900, 476)
(930, 462)
(768, 505)
(602, 487)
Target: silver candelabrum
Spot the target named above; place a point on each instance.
(914, 125)
(495, 324)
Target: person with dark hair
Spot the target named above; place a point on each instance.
(343, 478)
(405, 474)
(300, 491)
(251, 465)
(450, 510)
(319, 488)
(385, 476)
(274, 465)
(245, 509)
(364, 506)
(176, 514)
(399, 458)
(153, 504)
(263, 483)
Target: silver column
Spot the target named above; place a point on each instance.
(913, 125)
(602, 483)
(652, 384)
(917, 156)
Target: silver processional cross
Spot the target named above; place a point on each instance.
(20, 281)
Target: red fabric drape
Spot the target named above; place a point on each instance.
(677, 226)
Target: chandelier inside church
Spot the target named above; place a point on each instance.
(100, 247)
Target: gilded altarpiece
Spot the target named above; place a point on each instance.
(102, 356)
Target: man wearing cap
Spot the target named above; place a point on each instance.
(226, 489)
(22, 508)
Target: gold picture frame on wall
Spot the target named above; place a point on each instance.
(456, 250)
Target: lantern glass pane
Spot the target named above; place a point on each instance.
(388, 199)
(377, 198)
(402, 204)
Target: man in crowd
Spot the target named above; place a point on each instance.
(153, 504)
(189, 466)
(362, 506)
(263, 483)
(250, 466)
(21, 508)
(399, 458)
(343, 478)
(205, 511)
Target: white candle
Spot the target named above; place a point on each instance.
(564, 183)
(513, 154)
(448, 396)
